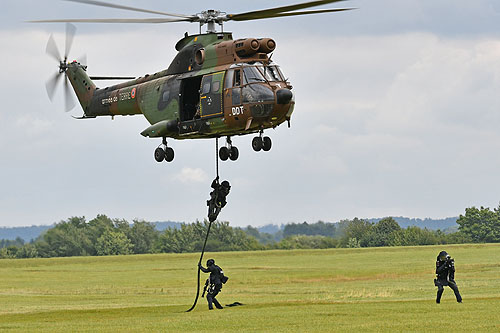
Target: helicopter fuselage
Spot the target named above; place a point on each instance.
(215, 86)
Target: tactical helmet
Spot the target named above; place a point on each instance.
(226, 184)
(210, 262)
(443, 255)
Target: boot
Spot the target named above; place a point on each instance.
(217, 304)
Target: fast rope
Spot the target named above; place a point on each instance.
(199, 263)
(208, 230)
(217, 156)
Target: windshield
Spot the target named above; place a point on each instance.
(257, 93)
(271, 73)
(252, 74)
(260, 73)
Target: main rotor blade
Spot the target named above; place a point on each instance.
(113, 20)
(308, 12)
(69, 101)
(271, 12)
(112, 5)
(52, 49)
(112, 77)
(70, 35)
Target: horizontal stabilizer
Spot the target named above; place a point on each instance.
(84, 117)
(112, 77)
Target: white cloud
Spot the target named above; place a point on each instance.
(31, 125)
(191, 175)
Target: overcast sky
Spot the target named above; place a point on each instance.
(397, 114)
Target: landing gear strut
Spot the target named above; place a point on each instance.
(261, 143)
(164, 153)
(229, 151)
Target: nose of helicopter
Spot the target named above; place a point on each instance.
(284, 96)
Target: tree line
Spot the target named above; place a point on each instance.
(105, 236)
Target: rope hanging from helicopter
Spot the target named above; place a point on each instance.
(208, 230)
(199, 270)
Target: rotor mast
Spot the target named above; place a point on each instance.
(212, 17)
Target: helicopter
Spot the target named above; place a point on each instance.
(216, 86)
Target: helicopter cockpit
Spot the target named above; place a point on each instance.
(258, 72)
(249, 77)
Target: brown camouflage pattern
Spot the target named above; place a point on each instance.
(169, 99)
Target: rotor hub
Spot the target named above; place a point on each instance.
(211, 17)
(63, 66)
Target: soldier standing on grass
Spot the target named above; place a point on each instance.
(214, 282)
(445, 270)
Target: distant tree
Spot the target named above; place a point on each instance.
(262, 237)
(456, 238)
(190, 238)
(8, 242)
(178, 240)
(27, 251)
(357, 228)
(384, 230)
(480, 225)
(413, 236)
(320, 228)
(353, 243)
(9, 252)
(66, 239)
(96, 227)
(113, 243)
(143, 236)
(306, 242)
(251, 231)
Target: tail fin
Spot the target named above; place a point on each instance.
(82, 84)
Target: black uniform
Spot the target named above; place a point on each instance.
(217, 198)
(215, 283)
(445, 270)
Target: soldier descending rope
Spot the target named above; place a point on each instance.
(217, 198)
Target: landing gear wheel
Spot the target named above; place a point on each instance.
(224, 153)
(169, 154)
(266, 143)
(159, 155)
(257, 143)
(229, 151)
(234, 153)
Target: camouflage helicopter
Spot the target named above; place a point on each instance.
(216, 86)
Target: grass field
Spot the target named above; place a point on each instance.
(371, 289)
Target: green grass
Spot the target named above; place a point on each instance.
(381, 289)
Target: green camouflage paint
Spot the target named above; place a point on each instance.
(169, 99)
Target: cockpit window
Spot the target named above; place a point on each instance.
(252, 74)
(278, 69)
(237, 78)
(229, 79)
(271, 73)
(257, 93)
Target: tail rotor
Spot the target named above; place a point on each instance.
(53, 51)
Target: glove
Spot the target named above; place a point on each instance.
(199, 265)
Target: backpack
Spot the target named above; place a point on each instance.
(223, 278)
